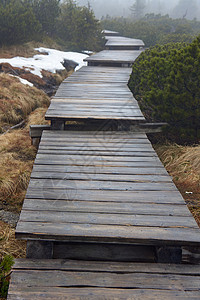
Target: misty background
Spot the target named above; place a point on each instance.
(189, 9)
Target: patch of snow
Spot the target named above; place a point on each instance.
(87, 52)
(24, 81)
(51, 62)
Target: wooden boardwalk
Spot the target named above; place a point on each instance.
(102, 217)
(122, 43)
(58, 279)
(95, 93)
(115, 58)
(104, 186)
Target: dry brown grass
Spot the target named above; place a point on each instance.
(8, 243)
(16, 160)
(27, 49)
(183, 164)
(17, 101)
(37, 117)
(56, 78)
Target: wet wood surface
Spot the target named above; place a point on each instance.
(119, 42)
(103, 187)
(95, 93)
(102, 196)
(61, 279)
(114, 56)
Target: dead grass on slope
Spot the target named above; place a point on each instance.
(27, 49)
(16, 160)
(8, 244)
(183, 164)
(17, 101)
(37, 117)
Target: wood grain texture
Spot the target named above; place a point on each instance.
(108, 234)
(123, 43)
(61, 279)
(125, 56)
(97, 93)
(102, 196)
(99, 187)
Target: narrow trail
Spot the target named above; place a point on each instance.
(102, 217)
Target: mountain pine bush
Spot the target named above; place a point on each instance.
(165, 80)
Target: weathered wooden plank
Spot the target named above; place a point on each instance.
(112, 267)
(103, 136)
(121, 40)
(142, 197)
(117, 88)
(115, 56)
(134, 108)
(97, 157)
(134, 151)
(91, 184)
(98, 115)
(111, 233)
(91, 111)
(101, 170)
(93, 103)
(104, 207)
(99, 163)
(91, 153)
(83, 147)
(106, 141)
(94, 118)
(107, 177)
(22, 293)
(107, 219)
(100, 134)
(97, 279)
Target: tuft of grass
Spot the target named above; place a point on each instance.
(17, 154)
(17, 101)
(27, 49)
(37, 117)
(16, 160)
(8, 244)
(183, 164)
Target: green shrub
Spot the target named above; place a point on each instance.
(154, 29)
(17, 22)
(165, 80)
(5, 267)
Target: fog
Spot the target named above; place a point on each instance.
(175, 8)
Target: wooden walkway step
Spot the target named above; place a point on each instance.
(95, 93)
(61, 279)
(120, 58)
(106, 187)
(123, 43)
